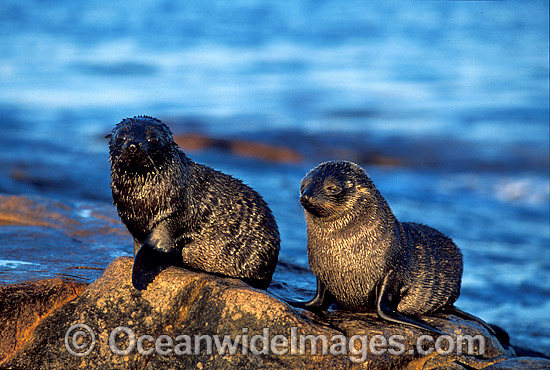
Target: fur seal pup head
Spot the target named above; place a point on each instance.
(140, 145)
(340, 191)
(326, 193)
(183, 213)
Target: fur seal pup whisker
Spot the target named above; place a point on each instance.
(186, 214)
(365, 259)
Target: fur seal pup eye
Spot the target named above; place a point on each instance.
(333, 189)
(365, 259)
(153, 140)
(120, 138)
(183, 213)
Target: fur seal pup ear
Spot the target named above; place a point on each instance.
(365, 259)
(181, 213)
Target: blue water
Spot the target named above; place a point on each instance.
(456, 92)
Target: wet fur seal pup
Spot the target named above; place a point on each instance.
(365, 259)
(186, 214)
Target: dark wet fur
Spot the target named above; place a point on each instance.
(215, 222)
(354, 241)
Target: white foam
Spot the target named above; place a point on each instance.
(14, 263)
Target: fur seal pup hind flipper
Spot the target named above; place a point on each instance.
(156, 254)
(386, 306)
(453, 310)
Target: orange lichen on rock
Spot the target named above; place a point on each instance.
(24, 305)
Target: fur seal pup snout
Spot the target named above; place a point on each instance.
(364, 258)
(183, 213)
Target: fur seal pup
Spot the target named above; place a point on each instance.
(183, 213)
(364, 258)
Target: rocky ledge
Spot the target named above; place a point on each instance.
(189, 319)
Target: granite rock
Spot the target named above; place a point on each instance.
(181, 305)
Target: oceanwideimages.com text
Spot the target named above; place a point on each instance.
(80, 341)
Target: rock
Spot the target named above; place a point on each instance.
(306, 147)
(244, 148)
(23, 306)
(532, 363)
(182, 306)
(178, 302)
(23, 211)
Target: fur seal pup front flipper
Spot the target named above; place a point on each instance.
(182, 213)
(156, 254)
(322, 300)
(366, 258)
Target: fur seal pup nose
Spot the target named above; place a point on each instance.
(364, 258)
(132, 147)
(186, 214)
